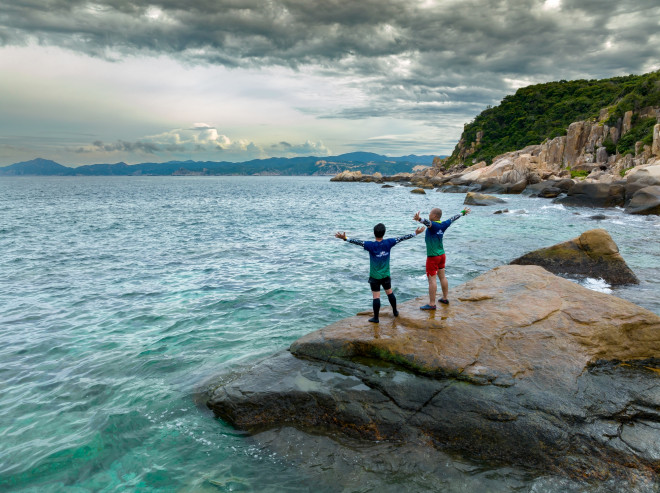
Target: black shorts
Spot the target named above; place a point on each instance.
(375, 284)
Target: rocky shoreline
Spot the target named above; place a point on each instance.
(574, 170)
(638, 192)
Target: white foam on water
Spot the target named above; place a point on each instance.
(594, 284)
(559, 207)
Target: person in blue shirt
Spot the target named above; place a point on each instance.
(379, 264)
(435, 253)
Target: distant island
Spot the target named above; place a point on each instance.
(365, 162)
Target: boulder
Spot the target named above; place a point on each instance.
(476, 198)
(522, 367)
(535, 188)
(594, 195)
(645, 201)
(348, 176)
(549, 192)
(399, 177)
(507, 174)
(493, 186)
(592, 254)
(564, 185)
(459, 188)
(418, 190)
(645, 176)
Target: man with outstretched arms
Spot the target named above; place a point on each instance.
(435, 253)
(379, 264)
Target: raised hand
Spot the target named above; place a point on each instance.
(467, 210)
(341, 236)
(416, 217)
(420, 230)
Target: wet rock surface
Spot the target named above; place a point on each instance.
(592, 254)
(522, 367)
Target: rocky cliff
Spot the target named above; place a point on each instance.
(587, 145)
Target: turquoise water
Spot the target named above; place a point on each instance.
(122, 297)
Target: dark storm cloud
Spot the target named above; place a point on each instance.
(406, 57)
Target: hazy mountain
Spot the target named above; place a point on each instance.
(367, 162)
(36, 167)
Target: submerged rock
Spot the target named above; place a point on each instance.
(418, 190)
(592, 254)
(522, 367)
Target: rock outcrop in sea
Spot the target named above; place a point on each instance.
(523, 367)
(592, 254)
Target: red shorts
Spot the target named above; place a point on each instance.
(434, 264)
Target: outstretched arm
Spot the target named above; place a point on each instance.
(420, 219)
(464, 212)
(342, 236)
(411, 235)
(445, 224)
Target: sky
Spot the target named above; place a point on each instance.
(232, 80)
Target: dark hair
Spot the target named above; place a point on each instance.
(379, 230)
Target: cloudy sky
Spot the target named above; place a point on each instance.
(230, 80)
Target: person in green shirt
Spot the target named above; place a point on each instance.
(379, 264)
(435, 253)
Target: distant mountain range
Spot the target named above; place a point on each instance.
(366, 162)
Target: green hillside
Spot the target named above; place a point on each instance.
(544, 111)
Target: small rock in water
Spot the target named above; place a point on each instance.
(599, 217)
(501, 212)
(592, 254)
(418, 190)
(387, 186)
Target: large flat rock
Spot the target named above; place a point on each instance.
(522, 367)
(512, 322)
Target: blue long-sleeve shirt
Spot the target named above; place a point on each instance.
(435, 230)
(379, 254)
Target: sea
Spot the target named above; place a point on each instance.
(124, 299)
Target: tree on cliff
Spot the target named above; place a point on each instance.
(544, 111)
